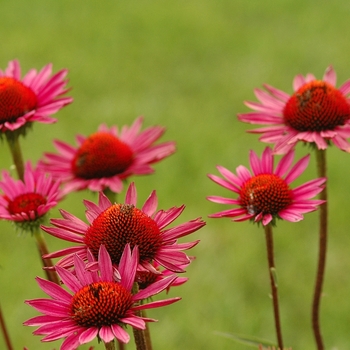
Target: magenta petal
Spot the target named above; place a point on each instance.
(53, 290)
(65, 251)
(136, 322)
(88, 335)
(255, 163)
(49, 307)
(41, 320)
(69, 279)
(131, 194)
(128, 265)
(154, 288)
(183, 229)
(120, 333)
(105, 264)
(267, 218)
(71, 342)
(229, 176)
(290, 215)
(297, 169)
(63, 234)
(150, 206)
(158, 303)
(106, 334)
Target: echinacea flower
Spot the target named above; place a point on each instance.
(31, 99)
(266, 194)
(98, 305)
(115, 225)
(316, 113)
(107, 157)
(27, 202)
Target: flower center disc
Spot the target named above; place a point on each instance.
(121, 224)
(101, 155)
(16, 99)
(26, 203)
(316, 106)
(145, 278)
(100, 304)
(266, 194)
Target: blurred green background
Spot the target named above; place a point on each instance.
(189, 65)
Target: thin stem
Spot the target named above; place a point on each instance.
(16, 153)
(42, 248)
(139, 334)
(323, 219)
(5, 331)
(147, 333)
(121, 345)
(110, 345)
(273, 281)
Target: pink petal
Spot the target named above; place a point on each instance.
(88, 335)
(53, 290)
(297, 169)
(120, 333)
(131, 194)
(106, 334)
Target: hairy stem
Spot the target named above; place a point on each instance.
(16, 153)
(42, 248)
(139, 334)
(5, 332)
(273, 282)
(110, 345)
(323, 229)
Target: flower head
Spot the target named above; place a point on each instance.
(267, 195)
(98, 304)
(26, 202)
(316, 113)
(107, 157)
(33, 98)
(115, 225)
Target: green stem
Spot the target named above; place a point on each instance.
(110, 345)
(323, 219)
(273, 282)
(5, 332)
(16, 153)
(147, 332)
(121, 346)
(139, 334)
(42, 248)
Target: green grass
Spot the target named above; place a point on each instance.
(188, 65)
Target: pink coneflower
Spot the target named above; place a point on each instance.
(26, 202)
(266, 195)
(31, 99)
(317, 112)
(107, 157)
(116, 225)
(99, 306)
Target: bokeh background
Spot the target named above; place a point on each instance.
(189, 65)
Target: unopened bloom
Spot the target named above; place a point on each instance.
(316, 113)
(32, 99)
(266, 194)
(27, 202)
(96, 305)
(115, 225)
(107, 157)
